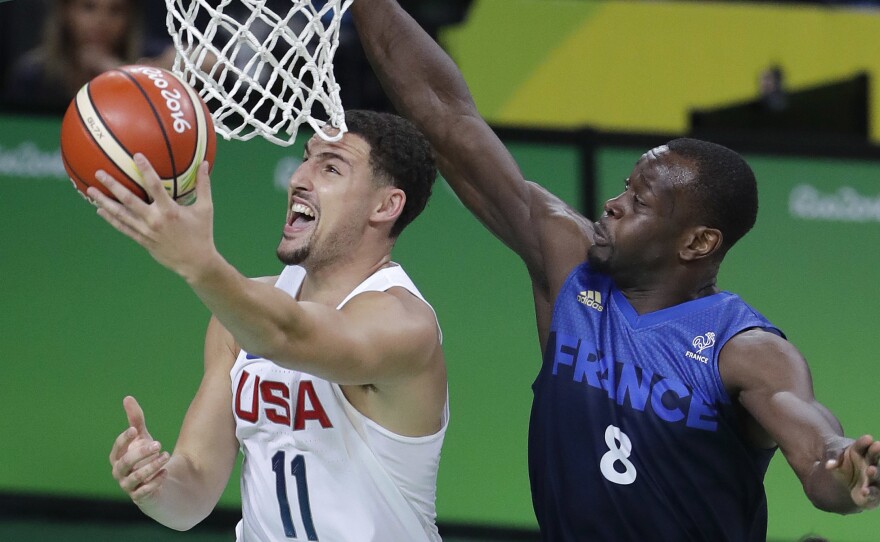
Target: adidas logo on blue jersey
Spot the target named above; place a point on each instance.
(592, 299)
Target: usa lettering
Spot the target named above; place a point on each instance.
(291, 406)
(631, 386)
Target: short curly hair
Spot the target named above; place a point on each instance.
(725, 187)
(399, 155)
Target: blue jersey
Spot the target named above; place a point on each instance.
(632, 435)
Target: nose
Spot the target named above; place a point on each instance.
(301, 178)
(613, 207)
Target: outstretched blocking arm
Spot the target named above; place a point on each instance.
(427, 87)
(179, 490)
(772, 382)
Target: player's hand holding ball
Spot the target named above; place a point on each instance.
(139, 143)
(179, 237)
(137, 109)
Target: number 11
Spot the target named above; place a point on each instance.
(298, 470)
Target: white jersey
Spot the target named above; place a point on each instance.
(314, 467)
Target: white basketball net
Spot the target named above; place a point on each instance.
(261, 72)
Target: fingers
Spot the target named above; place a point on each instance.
(859, 465)
(832, 460)
(137, 428)
(140, 466)
(135, 415)
(862, 444)
(126, 213)
(203, 183)
(872, 455)
(124, 197)
(151, 182)
(137, 461)
(149, 487)
(864, 447)
(137, 456)
(873, 451)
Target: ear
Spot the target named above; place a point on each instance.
(701, 242)
(390, 206)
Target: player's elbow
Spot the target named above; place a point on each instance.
(828, 495)
(180, 520)
(182, 525)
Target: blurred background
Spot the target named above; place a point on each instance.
(578, 90)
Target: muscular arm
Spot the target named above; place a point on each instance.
(772, 382)
(427, 87)
(188, 487)
(377, 338)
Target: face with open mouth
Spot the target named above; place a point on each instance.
(327, 198)
(297, 232)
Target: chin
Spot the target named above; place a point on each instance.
(292, 257)
(597, 261)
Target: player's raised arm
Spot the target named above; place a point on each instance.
(348, 346)
(376, 338)
(772, 382)
(179, 490)
(427, 87)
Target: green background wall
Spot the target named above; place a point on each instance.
(87, 317)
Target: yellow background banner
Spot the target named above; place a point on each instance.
(643, 66)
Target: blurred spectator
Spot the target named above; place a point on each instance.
(81, 39)
(771, 87)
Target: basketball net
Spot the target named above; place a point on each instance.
(261, 72)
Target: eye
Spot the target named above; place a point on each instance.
(330, 168)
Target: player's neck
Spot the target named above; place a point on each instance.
(661, 294)
(329, 284)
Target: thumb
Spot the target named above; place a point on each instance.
(834, 459)
(135, 415)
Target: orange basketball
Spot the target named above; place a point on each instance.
(137, 109)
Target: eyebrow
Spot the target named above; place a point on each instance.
(327, 155)
(644, 183)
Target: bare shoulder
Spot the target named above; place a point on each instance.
(408, 392)
(757, 357)
(267, 280)
(756, 340)
(396, 308)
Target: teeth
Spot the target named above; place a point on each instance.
(302, 209)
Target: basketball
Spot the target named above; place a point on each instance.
(137, 109)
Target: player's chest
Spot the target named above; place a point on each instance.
(268, 397)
